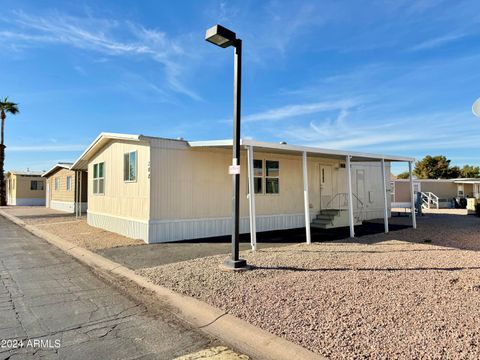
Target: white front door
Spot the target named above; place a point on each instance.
(326, 187)
(359, 197)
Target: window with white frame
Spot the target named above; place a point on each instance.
(56, 183)
(99, 178)
(266, 175)
(69, 183)
(272, 177)
(130, 166)
(258, 176)
(36, 185)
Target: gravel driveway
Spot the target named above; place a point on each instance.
(70, 228)
(407, 294)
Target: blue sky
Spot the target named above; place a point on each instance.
(387, 76)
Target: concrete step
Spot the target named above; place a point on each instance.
(322, 226)
(321, 221)
(329, 212)
(324, 217)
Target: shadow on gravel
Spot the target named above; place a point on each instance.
(295, 269)
(295, 236)
(45, 216)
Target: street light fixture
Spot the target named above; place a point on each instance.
(476, 108)
(224, 38)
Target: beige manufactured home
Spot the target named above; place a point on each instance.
(161, 190)
(66, 190)
(437, 193)
(25, 188)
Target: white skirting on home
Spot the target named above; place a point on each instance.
(132, 228)
(27, 201)
(157, 231)
(66, 206)
(186, 229)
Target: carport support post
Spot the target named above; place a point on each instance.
(305, 198)
(76, 193)
(350, 197)
(251, 199)
(412, 195)
(385, 201)
(80, 194)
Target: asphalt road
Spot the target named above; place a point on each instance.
(47, 295)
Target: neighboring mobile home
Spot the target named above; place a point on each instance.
(160, 190)
(25, 188)
(436, 191)
(66, 188)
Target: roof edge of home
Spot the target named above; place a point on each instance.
(63, 165)
(77, 165)
(23, 172)
(453, 180)
(301, 149)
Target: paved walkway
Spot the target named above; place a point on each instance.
(46, 295)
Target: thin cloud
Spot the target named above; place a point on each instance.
(46, 148)
(296, 110)
(77, 32)
(401, 134)
(437, 42)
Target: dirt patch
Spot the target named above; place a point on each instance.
(70, 228)
(379, 296)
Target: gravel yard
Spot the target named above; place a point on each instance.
(407, 294)
(66, 226)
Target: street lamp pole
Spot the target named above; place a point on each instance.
(223, 37)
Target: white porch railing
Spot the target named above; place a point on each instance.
(429, 200)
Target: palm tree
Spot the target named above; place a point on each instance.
(12, 108)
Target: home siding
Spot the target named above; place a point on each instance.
(443, 189)
(62, 194)
(125, 206)
(23, 195)
(191, 191)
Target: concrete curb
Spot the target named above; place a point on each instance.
(239, 334)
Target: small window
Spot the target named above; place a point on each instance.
(69, 183)
(272, 177)
(98, 179)
(258, 176)
(36, 185)
(57, 183)
(130, 166)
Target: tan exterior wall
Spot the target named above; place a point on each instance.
(468, 189)
(122, 199)
(443, 189)
(23, 187)
(402, 191)
(62, 194)
(185, 193)
(193, 183)
(19, 187)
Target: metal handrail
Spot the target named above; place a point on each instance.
(346, 197)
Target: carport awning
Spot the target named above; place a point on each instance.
(297, 149)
